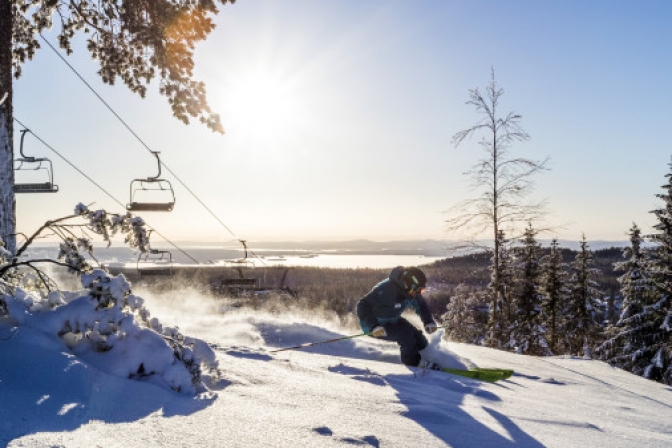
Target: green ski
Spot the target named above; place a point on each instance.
(482, 375)
(506, 373)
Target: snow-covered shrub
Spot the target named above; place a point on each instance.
(104, 323)
(466, 316)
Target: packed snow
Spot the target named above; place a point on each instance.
(351, 392)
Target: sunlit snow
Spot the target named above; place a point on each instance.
(351, 392)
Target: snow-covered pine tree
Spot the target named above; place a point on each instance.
(658, 316)
(626, 346)
(499, 291)
(581, 315)
(527, 332)
(554, 290)
(466, 315)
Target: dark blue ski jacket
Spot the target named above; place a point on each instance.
(387, 301)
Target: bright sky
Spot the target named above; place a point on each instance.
(339, 118)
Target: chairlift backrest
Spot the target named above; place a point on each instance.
(158, 188)
(29, 163)
(155, 262)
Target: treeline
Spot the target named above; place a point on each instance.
(550, 300)
(542, 302)
(474, 270)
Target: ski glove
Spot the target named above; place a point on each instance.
(379, 332)
(430, 328)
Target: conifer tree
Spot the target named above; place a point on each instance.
(499, 292)
(626, 346)
(554, 290)
(582, 313)
(527, 333)
(466, 316)
(657, 317)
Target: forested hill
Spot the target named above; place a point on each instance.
(475, 269)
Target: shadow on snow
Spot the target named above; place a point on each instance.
(435, 400)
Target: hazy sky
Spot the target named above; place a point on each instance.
(339, 117)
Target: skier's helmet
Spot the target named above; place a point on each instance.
(414, 279)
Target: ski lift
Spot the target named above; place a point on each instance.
(239, 286)
(155, 188)
(154, 261)
(245, 285)
(38, 164)
(241, 262)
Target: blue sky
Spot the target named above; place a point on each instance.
(339, 118)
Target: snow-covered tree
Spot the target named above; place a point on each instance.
(134, 41)
(658, 315)
(466, 315)
(581, 315)
(499, 292)
(626, 346)
(104, 324)
(555, 294)
(527, 334)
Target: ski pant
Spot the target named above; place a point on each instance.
(410, 340)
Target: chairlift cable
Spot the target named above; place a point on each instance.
(211, 212)
(127, 126)
(95, 93)
(103, 189)
(70, 163)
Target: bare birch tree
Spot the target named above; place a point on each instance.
(502, 181)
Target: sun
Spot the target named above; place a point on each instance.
(263, 106)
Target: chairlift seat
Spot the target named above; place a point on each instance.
(152, 184)
(155, 262)
(30, 163)
(238, 286)
(150, 206)
(156, 271)
(239, 282)
(45, 187)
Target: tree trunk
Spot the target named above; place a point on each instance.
(7, 202)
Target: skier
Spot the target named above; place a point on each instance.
(380, 312)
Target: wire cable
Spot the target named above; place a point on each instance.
(100, 187)
(127, 126)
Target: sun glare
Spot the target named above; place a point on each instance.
(264, 107)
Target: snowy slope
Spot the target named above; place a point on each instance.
(351, 392)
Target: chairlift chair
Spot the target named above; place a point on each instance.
(240, 285)
(155, 262)
(29, 163)
(241, 262)
(157, 188)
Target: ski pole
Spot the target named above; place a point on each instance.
(310, 344)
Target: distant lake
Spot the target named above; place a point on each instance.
(217, 256)
(354, 261)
